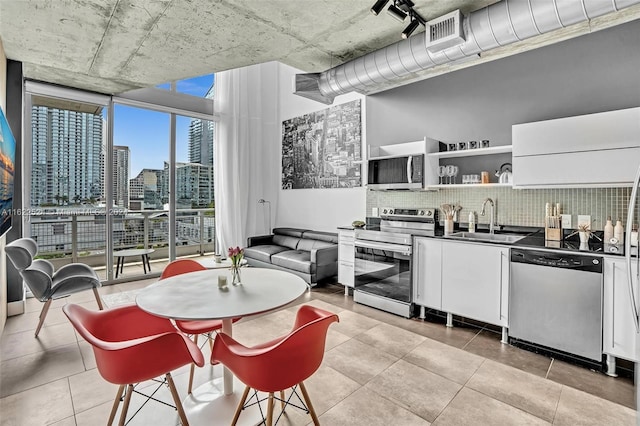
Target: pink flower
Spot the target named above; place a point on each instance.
(236, 255)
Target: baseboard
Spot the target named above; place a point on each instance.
(16, 308)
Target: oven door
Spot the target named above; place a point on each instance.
(383, 276)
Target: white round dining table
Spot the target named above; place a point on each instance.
(197, 296)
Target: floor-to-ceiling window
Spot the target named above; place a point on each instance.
(98, 186)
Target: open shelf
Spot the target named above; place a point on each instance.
(472, 152)
(468, 185)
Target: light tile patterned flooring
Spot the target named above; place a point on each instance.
(379, 369)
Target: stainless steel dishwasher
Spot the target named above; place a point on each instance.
(555, 300)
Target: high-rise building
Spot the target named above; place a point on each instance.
(121, 167)
(194, 184)
(66, 156)
(145, 189)
(201, 135)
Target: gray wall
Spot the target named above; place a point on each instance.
(593, 73)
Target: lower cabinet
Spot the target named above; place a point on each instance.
(346, 257)
(475, 281)
(462, 278)
(619, 335)
(427, 272)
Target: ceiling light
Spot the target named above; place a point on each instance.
(378, 6)
(397, 13)
(410, 28)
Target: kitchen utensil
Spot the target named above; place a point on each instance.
(505, 174)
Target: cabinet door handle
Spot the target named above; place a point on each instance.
(613, 307)
(501, 256)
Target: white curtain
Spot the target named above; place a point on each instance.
(247, 153)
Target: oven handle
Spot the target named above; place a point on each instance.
(397, 248)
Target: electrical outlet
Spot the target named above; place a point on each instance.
(584, 219)
(374, 212)
(566, 221)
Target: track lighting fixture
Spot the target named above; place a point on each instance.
(397, 13)
(378, 6)
(400, 9)
(410, 28)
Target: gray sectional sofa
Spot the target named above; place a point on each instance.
(312, 255)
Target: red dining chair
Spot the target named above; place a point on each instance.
(131, 346)
(194, 328)
(281, 363)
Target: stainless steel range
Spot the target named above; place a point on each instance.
(383, 259)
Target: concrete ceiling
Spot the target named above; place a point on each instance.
(112, 46)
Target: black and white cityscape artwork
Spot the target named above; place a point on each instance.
(323, 149)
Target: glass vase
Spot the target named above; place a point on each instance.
(235, 275)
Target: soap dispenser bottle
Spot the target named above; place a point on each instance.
(618, 232)
(608, 231)
(472, 221)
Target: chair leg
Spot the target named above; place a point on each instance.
(176, 399)
(97, 295)
(125, 406)
(270, 410)
(282, 403)
(43, 315)
(307, 401)
(240, 405)
(116, 402)
(193, 367)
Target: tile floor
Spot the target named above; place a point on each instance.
(379, 369)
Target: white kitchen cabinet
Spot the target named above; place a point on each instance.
(346, 258)
(475, 281)
(427, 272)
(594, 150)
(619, 336)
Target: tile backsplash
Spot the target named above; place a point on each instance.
(522, 207)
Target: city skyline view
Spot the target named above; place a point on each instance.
(69, 156)
(149, 143)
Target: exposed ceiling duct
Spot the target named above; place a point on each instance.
(494, 26)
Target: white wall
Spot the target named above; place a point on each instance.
(318, 209)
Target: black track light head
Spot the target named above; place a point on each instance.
(378, 6)
(397, 13)
(410, 28)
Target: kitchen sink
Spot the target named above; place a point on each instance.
(493, 238)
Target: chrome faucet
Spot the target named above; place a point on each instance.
(492, 215)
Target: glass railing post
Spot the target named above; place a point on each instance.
(145, 227)
(201, 219)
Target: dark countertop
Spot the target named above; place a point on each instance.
(534, 239)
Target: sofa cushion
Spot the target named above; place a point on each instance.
(263, 252)
(285, 241)
(329, 237)
(297, 260)
(309, 245)
(291, 232)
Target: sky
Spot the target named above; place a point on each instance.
(146, 132)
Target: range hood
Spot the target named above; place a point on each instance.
(494, 26)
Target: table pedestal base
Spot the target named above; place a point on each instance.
(208, 405)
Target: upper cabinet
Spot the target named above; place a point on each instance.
(594, 150)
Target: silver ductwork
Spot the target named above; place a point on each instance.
(494, 26)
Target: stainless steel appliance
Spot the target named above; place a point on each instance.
(396, 172)
(555, 300)
(383, 259)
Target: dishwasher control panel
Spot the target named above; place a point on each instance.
(557, 260)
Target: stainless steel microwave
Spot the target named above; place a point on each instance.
(401, 172)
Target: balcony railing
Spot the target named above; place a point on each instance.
(68, 235)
